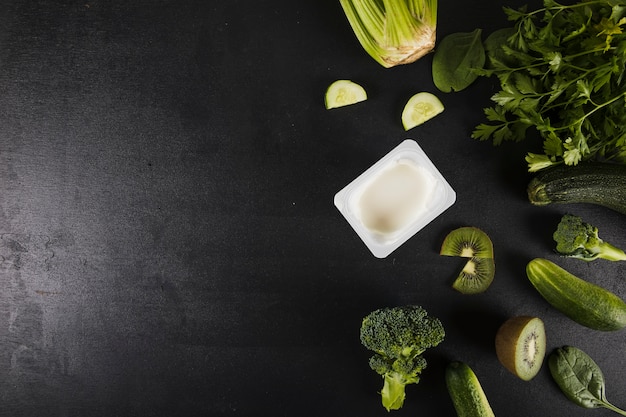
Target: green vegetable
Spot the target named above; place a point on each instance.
(564, 76)
(420, 108)
(578, 239)
(493, 47)
(456, 59)
(587, 304)
(580, 378)
(467, 394)
(393, 32)
(603, 184)
(399, 336)
(344, 93)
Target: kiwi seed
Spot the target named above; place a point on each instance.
(521, 346)
(467, 242)
(476, 276)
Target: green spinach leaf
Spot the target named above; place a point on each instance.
(580, 378)
(457, 60)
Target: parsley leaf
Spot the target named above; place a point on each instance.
(561, 70)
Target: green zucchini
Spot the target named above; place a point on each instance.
(600, 183)
(467, 394)
(585, 303)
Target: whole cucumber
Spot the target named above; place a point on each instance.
(467, 394)
(587, 304)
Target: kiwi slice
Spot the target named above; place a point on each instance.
(521, 346)
(476, 276)
(479, 270)
(467, 242)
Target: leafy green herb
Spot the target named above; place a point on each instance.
(580, 378)
(456, 60)
(561, 71)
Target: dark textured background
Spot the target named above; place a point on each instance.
(168, 241)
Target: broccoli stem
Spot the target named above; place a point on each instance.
(610, 252)
(393, 391)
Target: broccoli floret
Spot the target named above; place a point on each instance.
(577, 239)
(399, 336)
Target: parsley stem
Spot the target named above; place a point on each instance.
(561, 7)
(597, 107)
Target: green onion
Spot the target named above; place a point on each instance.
(393, 32)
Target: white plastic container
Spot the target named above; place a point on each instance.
(395, 198)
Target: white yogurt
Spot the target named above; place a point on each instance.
(395, 198)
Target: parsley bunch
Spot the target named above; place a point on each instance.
(561, 70)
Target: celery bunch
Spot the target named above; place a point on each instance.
(393, 32)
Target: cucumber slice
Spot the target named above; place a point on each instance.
(343, 93)
(420, 108)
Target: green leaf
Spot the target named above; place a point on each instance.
(503, 133)
(513, 14)
(525, 84)
(580, 378)
(493, 44)
(538, 162)
(483, 131)
(518, 130)
(552, 145)
(555, 60)
(456, 58)
(601, 79)
(495, 114)
(582, 86)
(528, 104)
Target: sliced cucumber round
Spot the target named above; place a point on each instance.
(343, 93)
(419, 109)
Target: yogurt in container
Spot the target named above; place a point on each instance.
(395, 198)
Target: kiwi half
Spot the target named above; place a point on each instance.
(479, 270)
(521, 346)
(467, 242)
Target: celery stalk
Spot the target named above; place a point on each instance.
(393, 32)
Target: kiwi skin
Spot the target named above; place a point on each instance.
(508, 338)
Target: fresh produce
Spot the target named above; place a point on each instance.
(587, 304)
(455, 60)
(561, 71)
(468, 242)
(580, 378)
(466, 392)
(343, 93)
(399, 336)
(603, 184)
(476, 276)
(578, 239)
(521, 346)
(420, 108)
(479, 270)
(393, 32)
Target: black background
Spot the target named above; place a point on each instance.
(168, 240)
